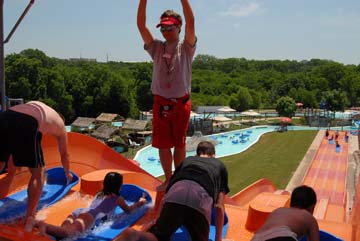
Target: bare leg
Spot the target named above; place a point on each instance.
(166, 163)
(68, 221)
(134, 235)
(179, 155)
(34, 190)
(59, 232)
(68, 229)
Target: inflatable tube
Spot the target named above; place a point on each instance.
(182, 235)
(119, 221)
(338, 148)
(151, 158)
(324, 236)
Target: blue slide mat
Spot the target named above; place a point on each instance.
(324, 236)
(14, 206)
(120, 220)
(182, 235)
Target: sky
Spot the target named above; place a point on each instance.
(252, 29)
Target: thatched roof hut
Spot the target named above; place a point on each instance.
(83, 122)
(136, 125)
(104, 132)
(109, 117)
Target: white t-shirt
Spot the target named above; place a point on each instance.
(172, 68)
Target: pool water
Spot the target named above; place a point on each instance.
(230, 143)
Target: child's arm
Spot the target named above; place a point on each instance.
(121, 202)
(141, 23)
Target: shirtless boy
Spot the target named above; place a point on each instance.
(290, 224)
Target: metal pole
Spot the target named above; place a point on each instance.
(2, 68)
(2, 55)
(19, 20)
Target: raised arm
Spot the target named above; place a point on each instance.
(141, 23)
(190, 37)
(220, 213)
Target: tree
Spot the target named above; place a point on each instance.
(244, 98)
(335, 100)
(286, 106)
(80, 88)
(143, 75)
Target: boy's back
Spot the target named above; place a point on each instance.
(299, 221)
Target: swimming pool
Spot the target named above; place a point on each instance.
(230, 143)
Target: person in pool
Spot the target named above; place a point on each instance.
(105, 202)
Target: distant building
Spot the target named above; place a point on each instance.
(83, 124)
(109, 117)
(135, 125)
(105, 132)
(82, 60)
(146, 115)
(214, 109)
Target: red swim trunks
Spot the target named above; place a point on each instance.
(170, 121)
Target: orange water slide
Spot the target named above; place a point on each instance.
(355, 215)
(327, 175)
(246, 210)
(90, 160)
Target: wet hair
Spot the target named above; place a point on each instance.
(303, 197)
(172, 13)
(111, 184)
(205, 148)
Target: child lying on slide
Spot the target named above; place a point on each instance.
(105, 202)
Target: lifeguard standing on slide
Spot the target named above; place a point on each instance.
(171, 82)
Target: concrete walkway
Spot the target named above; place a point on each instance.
(302, 169)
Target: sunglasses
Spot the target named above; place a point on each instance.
(167, 28)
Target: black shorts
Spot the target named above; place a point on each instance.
(173, 216)
(20, 137)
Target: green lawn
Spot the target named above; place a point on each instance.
(275, 157)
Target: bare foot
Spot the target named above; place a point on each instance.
(30, 224)
(42, 228)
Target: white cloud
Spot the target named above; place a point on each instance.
(242, 9)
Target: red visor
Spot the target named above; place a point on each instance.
(168, 21)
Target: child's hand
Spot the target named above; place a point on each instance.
(142, 200)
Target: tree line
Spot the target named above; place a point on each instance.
(80, 88)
